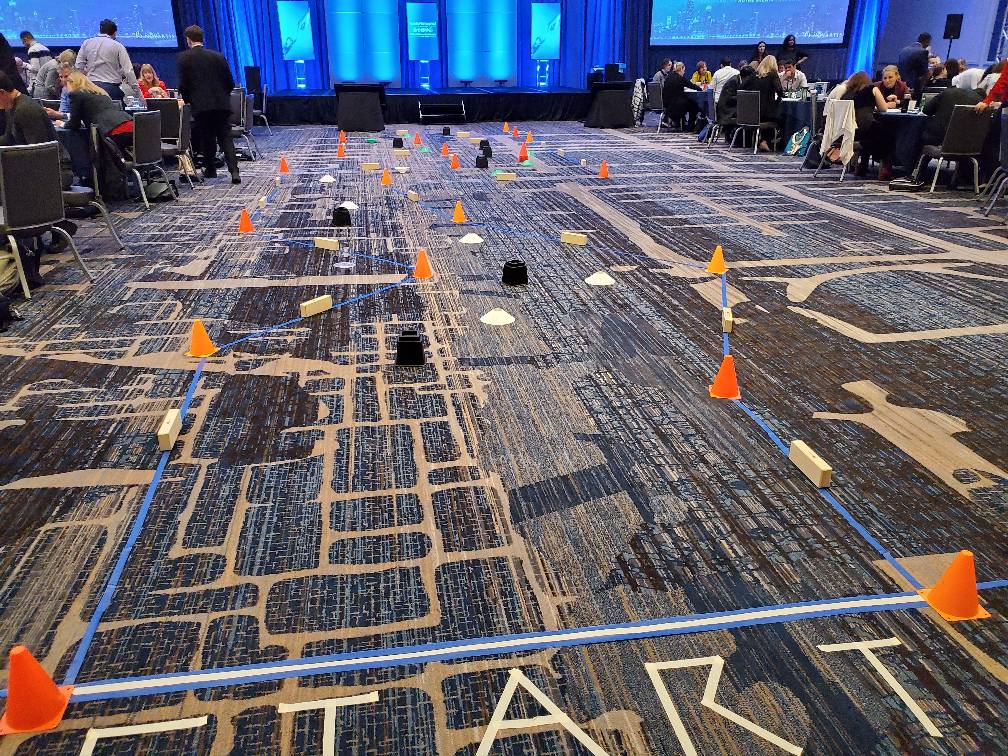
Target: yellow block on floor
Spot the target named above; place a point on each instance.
(475, 140)
(415, 196)
(402, 132)
(369, 166)
(262, 202)
(573, 237)
(727, 321)
(315, 306)
(324, 242)
(464, 134)
(811, 464)
(400, 153)
(168, 432)
(505, 176)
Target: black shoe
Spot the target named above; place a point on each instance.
(58, 244)
(235, 178)
(210, 173)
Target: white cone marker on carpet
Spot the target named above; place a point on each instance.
(401, 169)
(471, 238)
(497, 316)
(327, 179)
(349, 205)
(600, 279)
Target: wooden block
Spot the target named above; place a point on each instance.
(168, 432)
(727, 321)
(402, 132)
(810, 463)
(400, 153)
(315, 306)
(475, 140)
(277, 181)
(262, 202)
(464, 134)
(584, 162)
(369, 166)
(573, 237)
(562, 152)
(324, 242)
(505, 176)
(415, 196)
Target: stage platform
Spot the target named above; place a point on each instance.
(318, 106)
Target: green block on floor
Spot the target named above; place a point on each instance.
(425, 149)
(371, 141)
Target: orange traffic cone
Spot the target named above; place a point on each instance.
(523, 153)
(954, 596)
(528, 138)
(386, 178)
(514, 133)
(283, 165)
(422, 269)
(455, 162)
(416, 139)
(342, 137)
(603, 171)
(717, 265)
(34, 703)
(444, 150)
(726, 384)
(341, 150)
(245, 223)
(459, 215)
(507, 128)
(200, 344)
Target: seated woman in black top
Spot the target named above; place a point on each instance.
(790, 51)
(91, 106)
(874, 137)
(767, 82)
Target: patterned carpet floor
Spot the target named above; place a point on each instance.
(414, 535)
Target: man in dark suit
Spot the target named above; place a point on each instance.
(913, 63)
(677, 104)
(205, 82)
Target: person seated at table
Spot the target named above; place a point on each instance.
(767, 82)
(721, 76)
(939, 109)
(726, 104)
(789, 51)
(90, 105)
(46, 85)
(148, 79)
(64, 105)
(998, 92)
(677, 104)
(793, 80)
(759, 53)
(891, 86)
(991, 74)
(875, 139)
(937, 78)
(662, 73)
(968, 77)
(701, 76)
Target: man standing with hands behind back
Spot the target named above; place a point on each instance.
(205, 82)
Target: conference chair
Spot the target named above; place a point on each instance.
(176, 134)
(747, 118)
(28, 214)
(964, 140)
(83, 197)
(146, 149)
(260, 112)
(241, 116)
(654, 104)
(994, 189)
(840, 124)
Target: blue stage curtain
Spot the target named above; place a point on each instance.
(866, 28)
(247, 33)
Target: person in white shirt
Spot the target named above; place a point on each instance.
(38, 55)
(968, 79)
(793, 80)
(106, 63)
(721, 76)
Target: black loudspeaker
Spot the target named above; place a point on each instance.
(397, 143)
(953, 26)
(341, 217)
(446, 131)
(253, 78)
(613, 73)
(409, 349)
(482, 162)
(515, 273)
(486, 149)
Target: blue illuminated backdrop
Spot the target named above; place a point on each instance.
(545, 31)
(422, 31)
(295, 30)
(363, 41)
(482, 41)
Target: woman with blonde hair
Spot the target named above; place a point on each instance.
(148, 80)
(767, 82)
(90, 106)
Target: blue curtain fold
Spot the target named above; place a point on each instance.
(866, 30)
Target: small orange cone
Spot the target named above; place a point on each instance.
(34, 703)
(283, 165)
(200, 344)
(523, 153)
(954, 596)
(386, 178)
(422, 269)
(507, 128)
(342, 137)
(455, 162)
(341, 150)
(245, 223)
(528, 138)
(717, 265)
(459, 215)
(726, 384)
(444, 150)
(514, 133)
(603, 171)
(416, 139)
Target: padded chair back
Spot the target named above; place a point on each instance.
(654, 96)
(36, 166)
(185, 128)
(748, 108)
(967, 131)
(237, 106)
(147, 137)
(248, 120)
(253, 79)
(170, 117)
